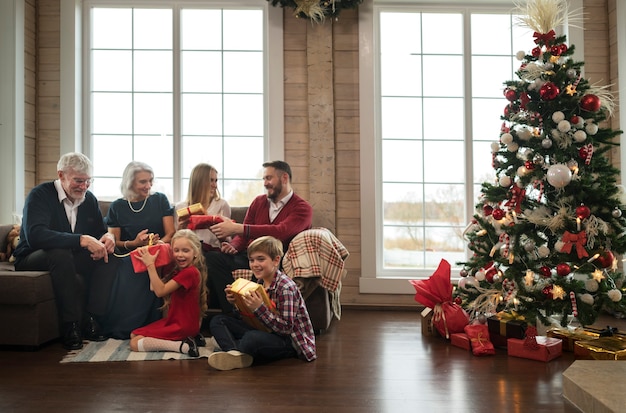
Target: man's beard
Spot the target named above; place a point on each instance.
(277, 189)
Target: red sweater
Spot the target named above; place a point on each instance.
(295, 217)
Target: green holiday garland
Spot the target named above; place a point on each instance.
(317, 10)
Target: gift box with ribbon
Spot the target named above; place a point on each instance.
(242, 287)
(194, 209)
(505, 325)
(540, 348)
(460, 340)
(570, 337)
(164, 257)
(602, 348)
(478, 335)
(203, 221)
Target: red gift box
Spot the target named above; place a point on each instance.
(203, 221)
(460, 340)
(547, 348)
(164, 257)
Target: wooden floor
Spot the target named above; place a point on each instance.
(370, 361)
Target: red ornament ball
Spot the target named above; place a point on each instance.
(497, 214)
(574, 120)
(529, 165)
(583, 212)
(549, 91)
(563, 48)
(563, 269)
(487, 210)
(590, 103)
(524, 99)
(546, 271)
(555, 50)
(606, 258)
(490, 273)
(458, 300)
(510, 95)
(536, 52)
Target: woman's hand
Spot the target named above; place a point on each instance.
(144, 238)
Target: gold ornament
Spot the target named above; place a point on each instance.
(570, 90)
(598, 275)
(558, 292)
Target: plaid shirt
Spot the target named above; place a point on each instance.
(291, 318)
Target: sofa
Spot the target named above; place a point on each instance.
(28, 313)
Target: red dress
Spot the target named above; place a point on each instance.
(183, 316)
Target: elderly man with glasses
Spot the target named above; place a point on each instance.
(63, 232)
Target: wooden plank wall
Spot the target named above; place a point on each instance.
(321, 114)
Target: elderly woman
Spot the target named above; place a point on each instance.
(133, 220)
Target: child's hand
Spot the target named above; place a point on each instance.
(230, 296)
(145, 256)
(253, 300)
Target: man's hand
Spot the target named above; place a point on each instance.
(226, 229)
(97, 248)
(253, 300)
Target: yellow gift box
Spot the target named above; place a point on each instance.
(602, 348)
(571, 337)
(195, 209)
(242, 287)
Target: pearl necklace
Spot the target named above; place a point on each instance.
(140, 209)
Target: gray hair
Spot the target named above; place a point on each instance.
(76, 162)
(128, 177)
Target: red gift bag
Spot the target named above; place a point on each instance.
(164, 257)
(436, 293)
(203, 221)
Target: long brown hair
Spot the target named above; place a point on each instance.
(199, 182)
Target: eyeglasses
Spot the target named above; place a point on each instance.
(83, 181)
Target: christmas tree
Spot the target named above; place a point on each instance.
(547, 230)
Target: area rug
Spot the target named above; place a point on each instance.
(119, 350)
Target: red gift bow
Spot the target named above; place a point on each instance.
(579, 240)
(546, 38)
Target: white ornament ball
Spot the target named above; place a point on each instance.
(505, 181)
(580, 136)
(591, 285)
(586, 298)
(616, 213)
(520, 55)
(543, 251)
(546, 143)
(495, 146)
(529, 246)
(615, 295)
(559, 175)
(564, 126)
(467, 282)
(591, 128)
(512, 147)
(559, 245)
(522, 171)
(558, 116)
(571, 73)
(506, 138)
(480, 275)
(524, 134)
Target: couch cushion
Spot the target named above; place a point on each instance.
(24, 287)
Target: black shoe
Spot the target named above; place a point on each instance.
(193, 348)
(72, 339)
(91, 330)
(200, 340)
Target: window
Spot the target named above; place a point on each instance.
(433, 109)
(174, 85)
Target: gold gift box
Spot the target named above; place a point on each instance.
(195, 209)
(242, 287)
(571, 337)
(602, 348)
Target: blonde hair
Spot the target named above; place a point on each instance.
(198, 181)
(198, 262)
(267, 245)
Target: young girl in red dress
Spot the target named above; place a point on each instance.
(185, 299)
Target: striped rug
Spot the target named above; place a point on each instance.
(119, 350)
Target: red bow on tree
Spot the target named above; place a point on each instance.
(517, 196)
(579, 240)
(544, 38)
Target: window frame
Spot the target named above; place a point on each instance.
(373, 278)
(74, 91)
